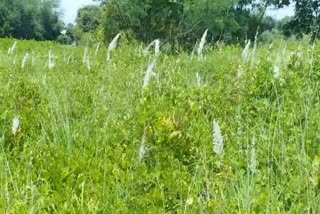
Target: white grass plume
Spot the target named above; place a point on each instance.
(24, 60)
(113, 45)
(254, 50)
(202, 42)
(51, 62)
(85, 59)
(13, 47)
(255, 41)
(15, 126)
(156, 44)
(114, 42)
(271, 45)
(148, 74)
(253, 159)
(276, 72)
(157, 47)
(217, 139)
(198, 79)
(245, 51)
(85, 55)
(97, 49)
(142, 149)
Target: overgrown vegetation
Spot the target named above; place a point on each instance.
(97, 136)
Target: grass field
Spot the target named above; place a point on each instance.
(233, 131)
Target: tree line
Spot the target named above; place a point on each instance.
(176, 22)
(30, 19)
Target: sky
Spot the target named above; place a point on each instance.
(69, 10)
(281, 13)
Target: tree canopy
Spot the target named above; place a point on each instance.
(306, 19)
(177, 22)
(182, 21)
(30, 19)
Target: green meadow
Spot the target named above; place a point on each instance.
(234, 130)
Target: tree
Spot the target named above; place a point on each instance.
(88, 18)
(143, 19)
(29, 19)
(9, 18)
(50, 21)
(184, 21)
(306, 19)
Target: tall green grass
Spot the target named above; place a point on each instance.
(81, 128)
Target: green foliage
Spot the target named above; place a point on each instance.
(88, 25)
(81, 129)
(64, 39)
(269, 36)
(88, 18)
(32, 19)
(306, 19)
(180, 23)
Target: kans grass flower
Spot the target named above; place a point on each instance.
(245, 51)
(276, 72)
(156, 44)
(11, 50)
(217, 139)
(51, 62)
(142, 149)
(148, 74)
(253, 161)
(202, 42)
(15, 126)
(113, 45)
(25, 59)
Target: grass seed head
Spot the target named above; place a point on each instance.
(253, 159)
(148, 74)
(11, 50)
(142, 149)
(189, 201)
(15, 126)
(245, 51)
(24, 60)
(202, 42)
(97, 49)
(217, 139)
(276, 72)
(156, 44)
(113, 45)
(51, 62)
(198, 79)
(156, 47)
